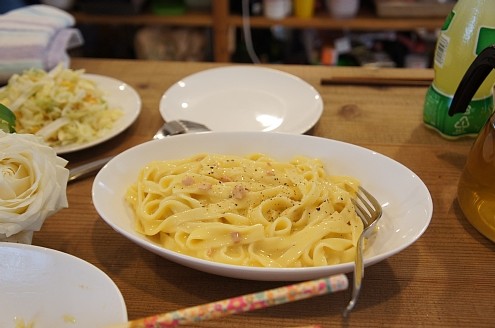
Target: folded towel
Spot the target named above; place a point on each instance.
(36, 36)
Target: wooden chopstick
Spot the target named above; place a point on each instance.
(376, 81)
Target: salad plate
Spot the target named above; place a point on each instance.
(41, 287)
(406, 201)
(244, 98)
(118, 94)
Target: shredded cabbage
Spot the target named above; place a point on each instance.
(61, 106)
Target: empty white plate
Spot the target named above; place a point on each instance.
(244, 98)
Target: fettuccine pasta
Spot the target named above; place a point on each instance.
(250, 211)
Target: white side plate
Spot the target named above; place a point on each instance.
(244, 98)
(48, 288)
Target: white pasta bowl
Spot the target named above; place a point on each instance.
(406, 201)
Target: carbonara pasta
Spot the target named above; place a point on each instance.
(248, 210)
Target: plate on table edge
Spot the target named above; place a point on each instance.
(406, 201)
(118, 94)
(244, 98)
(49, 288)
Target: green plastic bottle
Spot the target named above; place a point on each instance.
(469, 28)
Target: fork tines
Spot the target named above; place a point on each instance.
(369, 211)
(368, 207)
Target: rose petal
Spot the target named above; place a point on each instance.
(33, 184)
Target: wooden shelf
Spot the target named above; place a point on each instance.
(364, 22)
(189, 19)
(221, 22)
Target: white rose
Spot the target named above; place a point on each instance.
(33, 182)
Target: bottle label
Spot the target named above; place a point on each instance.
(443, 41)
(448, 21)
(469, 123)
(486, 38)
(441, 51)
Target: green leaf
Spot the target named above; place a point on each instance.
(7, 119)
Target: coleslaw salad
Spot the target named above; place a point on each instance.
(61, 106)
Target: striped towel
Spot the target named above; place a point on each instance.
(36, 36)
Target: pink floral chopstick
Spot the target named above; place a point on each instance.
(243, 303)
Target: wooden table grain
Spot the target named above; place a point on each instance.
(445, 279)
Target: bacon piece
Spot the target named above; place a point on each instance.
(236, 237)
(239, 192)
(187, 181)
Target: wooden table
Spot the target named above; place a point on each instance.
(446, 278)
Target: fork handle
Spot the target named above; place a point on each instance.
(86, 169)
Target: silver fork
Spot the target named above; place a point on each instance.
(173, 128)
(369, 211)
(170, 128)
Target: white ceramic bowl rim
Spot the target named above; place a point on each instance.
(405, 199)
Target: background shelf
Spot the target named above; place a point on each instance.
(222, 23)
